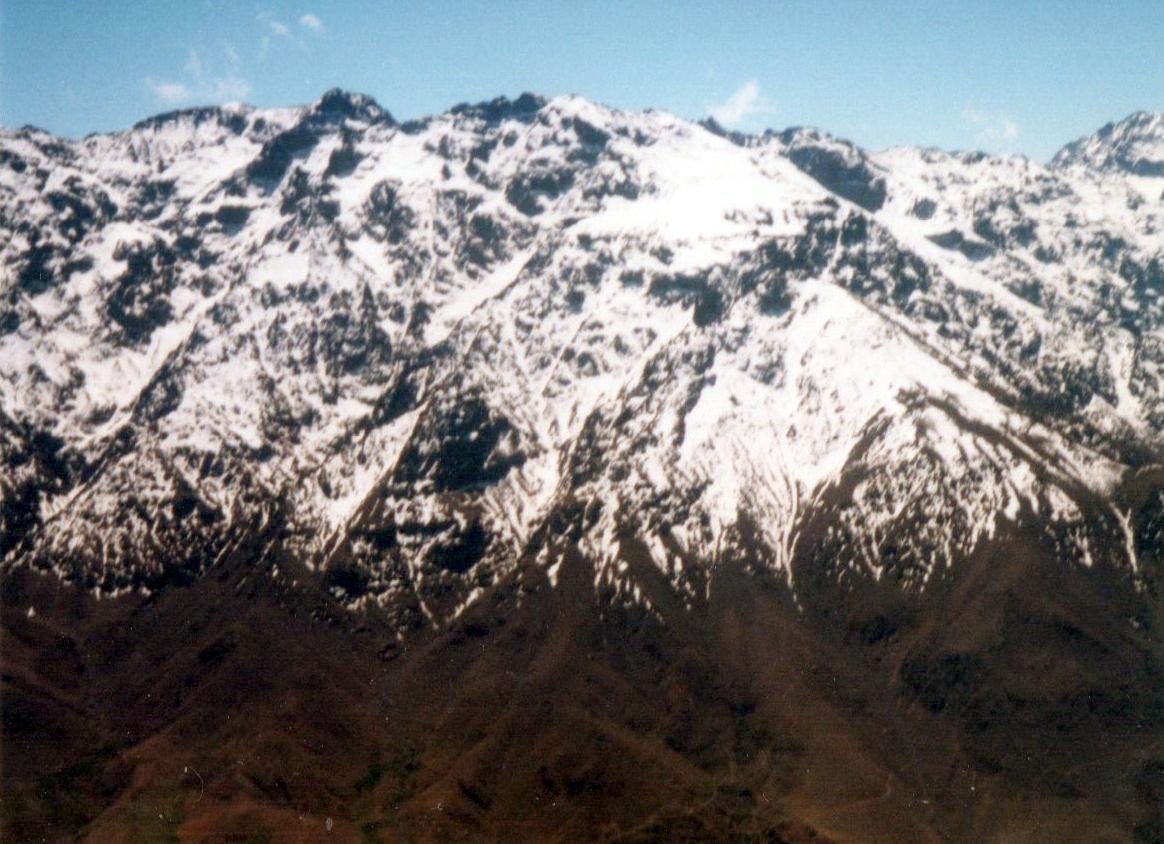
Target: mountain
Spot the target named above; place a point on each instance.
(562, 472)
(1134, 146)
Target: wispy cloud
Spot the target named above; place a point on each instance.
(745, 102)
(275, 31)
(170, 93)
(991, 127)
(200, 84)
(273, 26)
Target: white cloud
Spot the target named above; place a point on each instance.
(743, 103)
(275, 32)
(170, 93)
(991, 126)
(273, 28)
(201, 85)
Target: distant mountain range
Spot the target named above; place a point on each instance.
(723, 486)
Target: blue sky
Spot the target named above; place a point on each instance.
(1003, 76)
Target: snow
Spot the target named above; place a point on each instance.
(617, 399)
(494, 284)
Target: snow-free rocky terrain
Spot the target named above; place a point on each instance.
(859, 457)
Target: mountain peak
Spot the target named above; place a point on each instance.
(337, 105)
(1134, 145)
(501, 108)
(227, 114)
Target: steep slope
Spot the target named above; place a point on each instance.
(1133, 146)
(912, 400)
(326, 318)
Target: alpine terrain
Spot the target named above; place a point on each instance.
(541, 471)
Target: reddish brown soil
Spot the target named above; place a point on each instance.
(1017, 703)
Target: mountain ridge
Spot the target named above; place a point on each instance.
(420, 380)
(1136, 121)
(839, 168)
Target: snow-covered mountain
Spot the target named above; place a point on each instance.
(1132, 147)
(540, 471)
(422, 356)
